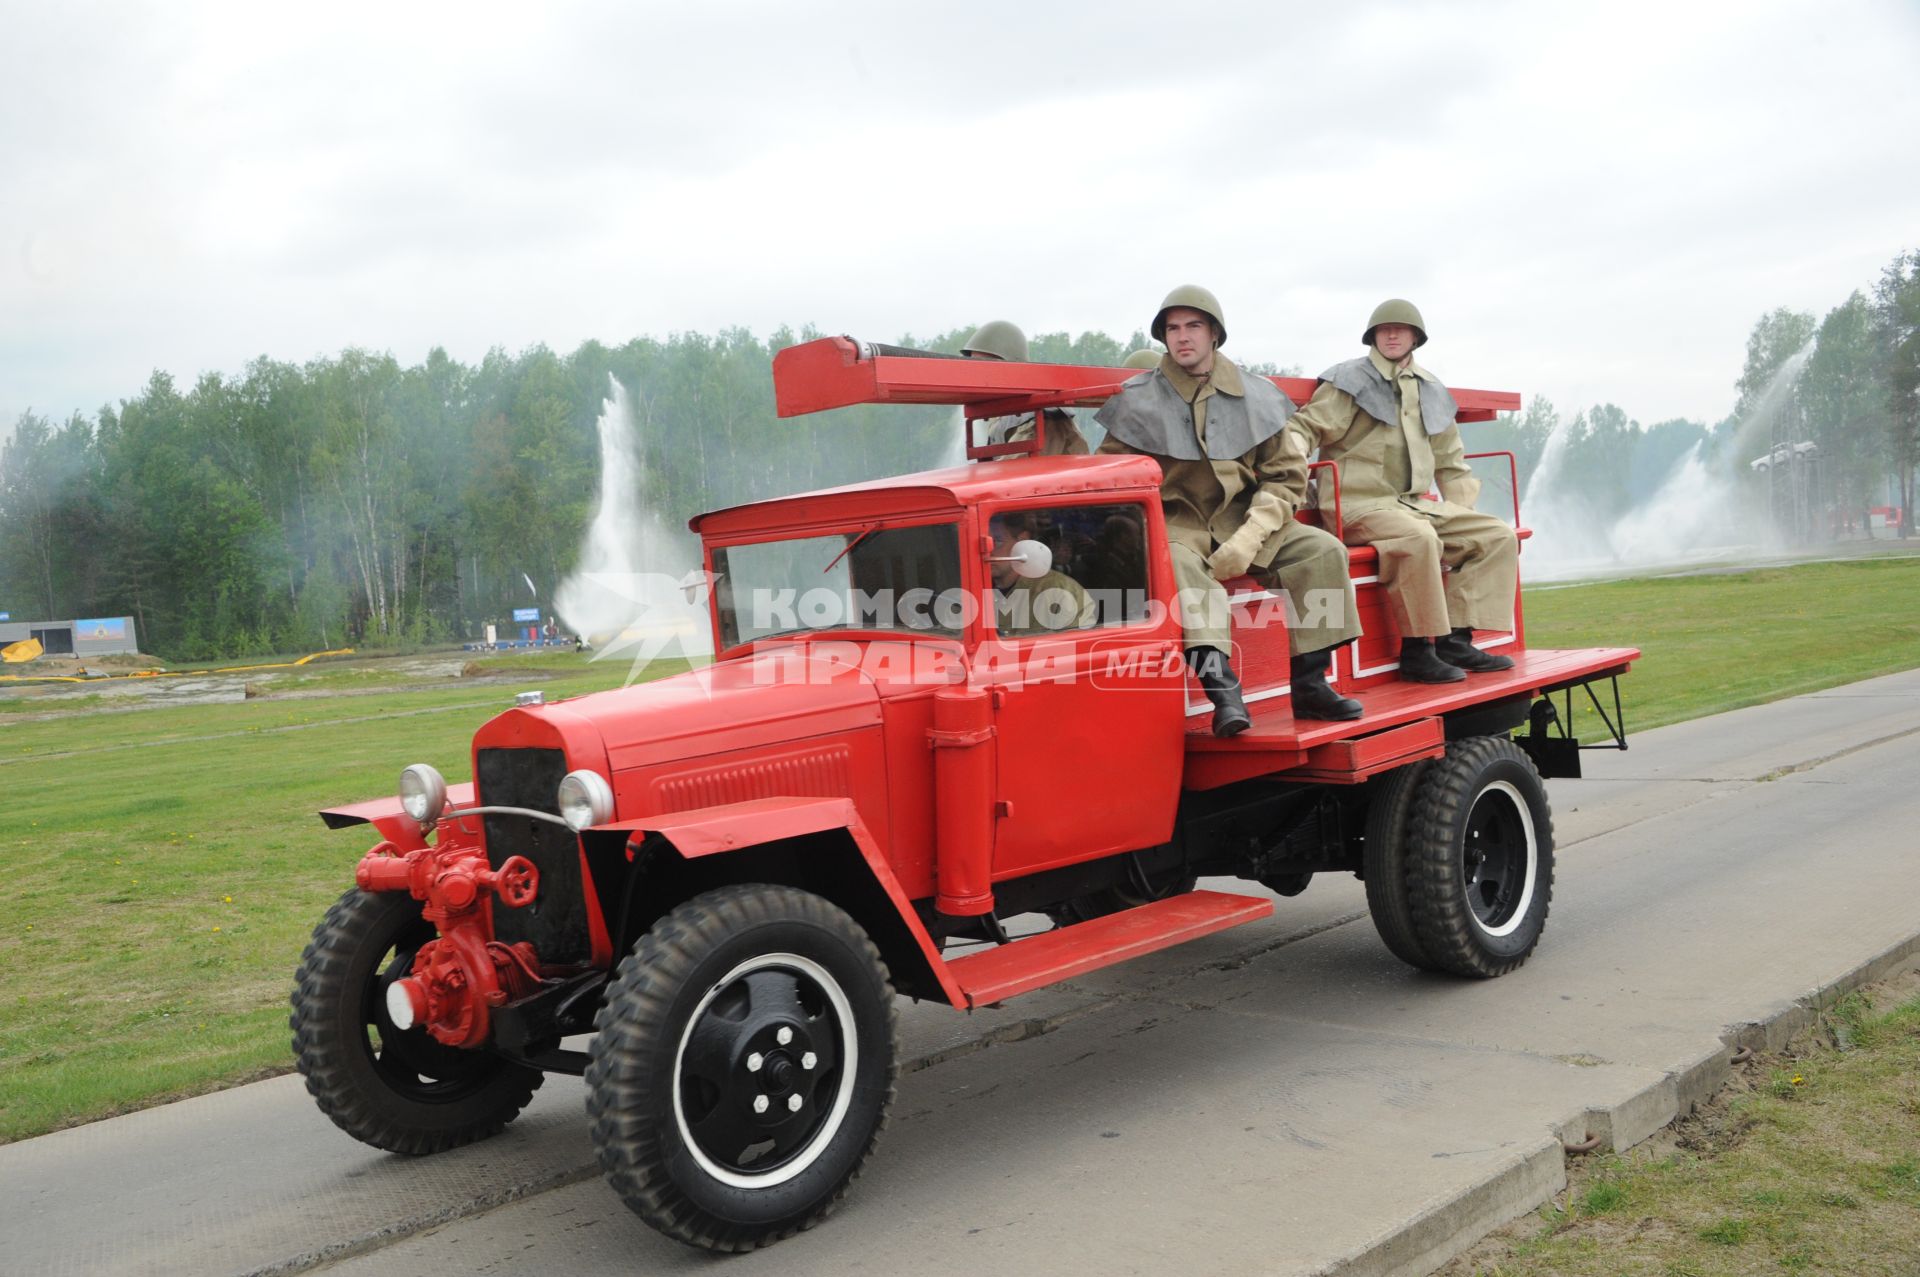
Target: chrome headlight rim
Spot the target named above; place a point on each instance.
(423, 792)
(585, 799)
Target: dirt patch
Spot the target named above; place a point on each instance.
(125, 661)
(80, 667)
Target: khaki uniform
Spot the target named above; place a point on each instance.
(1389, 459)
(1042, 605)
(1063, 436)
(1208, 499)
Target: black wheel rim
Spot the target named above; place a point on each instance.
(1499, 858)
(763, 1076)
(410, 1062)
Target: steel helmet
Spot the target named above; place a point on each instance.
(1396, 310)
(1193, 297)
(1146, 358)
(999, 339)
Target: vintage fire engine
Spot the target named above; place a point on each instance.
(726, 877)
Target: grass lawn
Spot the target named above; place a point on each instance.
(1713, 643)
(165, 867)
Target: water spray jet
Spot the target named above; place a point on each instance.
(626, 595)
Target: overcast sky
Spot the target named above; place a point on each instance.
(1590, 202)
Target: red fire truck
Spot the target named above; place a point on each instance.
(881, 787)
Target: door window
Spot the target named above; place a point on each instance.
(1098, 575)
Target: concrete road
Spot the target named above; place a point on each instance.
(1282, 1098)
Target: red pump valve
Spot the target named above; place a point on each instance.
(517, 882)
(457, 977)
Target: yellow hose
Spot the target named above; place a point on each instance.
(227, 669)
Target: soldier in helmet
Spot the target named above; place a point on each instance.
(999, 339)
(1232, 476)
(1389, 423)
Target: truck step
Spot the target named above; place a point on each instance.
(1053, 956)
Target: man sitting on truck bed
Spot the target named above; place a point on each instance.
(1231, 478)
(1389, 423)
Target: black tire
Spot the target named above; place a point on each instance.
(1383, 863)
(690, 1042)
(401, 1091)
(1480, 858)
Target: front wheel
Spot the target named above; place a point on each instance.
(1479, 860)
(401, 1091)
(743, 1066)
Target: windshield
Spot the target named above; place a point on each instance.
(873, 578)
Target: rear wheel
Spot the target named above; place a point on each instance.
(401, 1091)
(743, 1066)
(1480, 858)
(1384, 863)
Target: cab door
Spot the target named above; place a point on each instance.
(1089, 717)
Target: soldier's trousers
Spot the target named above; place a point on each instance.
(1479, 551)
(1309, 565)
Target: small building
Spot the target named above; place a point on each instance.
(99, 636)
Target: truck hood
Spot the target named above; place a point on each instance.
(765, 698)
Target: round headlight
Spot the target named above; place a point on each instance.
(585, 799)
(423, 793)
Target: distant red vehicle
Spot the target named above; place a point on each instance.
(725, 877)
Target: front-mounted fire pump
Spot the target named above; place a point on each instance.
(704, 893)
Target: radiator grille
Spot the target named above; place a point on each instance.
(556, 921)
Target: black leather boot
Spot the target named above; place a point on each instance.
(1420, 664)
(1457, 649)
(1312, 698)
(1222, 686)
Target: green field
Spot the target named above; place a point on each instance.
(1720, 642)
(165, 866)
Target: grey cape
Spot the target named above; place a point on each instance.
(1359, 378)
(1149, 415)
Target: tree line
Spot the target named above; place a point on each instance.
(353, 500)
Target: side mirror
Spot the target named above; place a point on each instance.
(1031, 559)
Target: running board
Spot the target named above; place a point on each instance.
(1052, 956)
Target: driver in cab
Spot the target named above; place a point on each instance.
(1023, 602)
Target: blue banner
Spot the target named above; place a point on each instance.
(109, 628)
(526, 614)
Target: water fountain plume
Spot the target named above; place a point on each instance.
(630, 592)
(1696, 515)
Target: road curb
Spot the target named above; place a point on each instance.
(1448, 1228)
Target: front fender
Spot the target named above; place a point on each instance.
(703, 836)
(391, 819)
